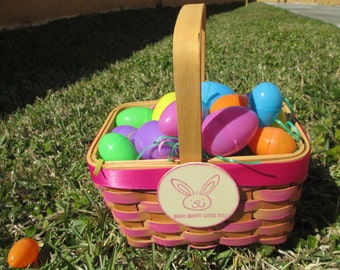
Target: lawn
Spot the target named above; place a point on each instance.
(59, 81)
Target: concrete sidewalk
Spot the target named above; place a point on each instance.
(330, 14)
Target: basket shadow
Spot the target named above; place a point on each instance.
(48, 57)
(318, 206)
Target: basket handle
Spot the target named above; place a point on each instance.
(189, 63)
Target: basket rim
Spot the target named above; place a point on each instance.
(92, 154)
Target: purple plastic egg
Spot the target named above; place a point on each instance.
(126, 130)
(151, 143)
(168, 121)
(228, 130)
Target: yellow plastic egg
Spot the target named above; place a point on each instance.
(281, 117)
(162, 103)
(23, 253)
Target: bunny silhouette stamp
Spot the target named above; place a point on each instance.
(198, 194)
(196, 200)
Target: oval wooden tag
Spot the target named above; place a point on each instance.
(198, 194)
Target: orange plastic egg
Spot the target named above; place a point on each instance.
(23, 253)
(228, 101)
(272, 140)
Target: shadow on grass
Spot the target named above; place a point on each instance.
(318, 206)
(48, 57)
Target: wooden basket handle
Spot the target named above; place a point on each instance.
(189, 64)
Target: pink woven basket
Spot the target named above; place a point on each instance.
(255, 196)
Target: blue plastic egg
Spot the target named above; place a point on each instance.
(211, 91)
(205, 110)
(266, 101)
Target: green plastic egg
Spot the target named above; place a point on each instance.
(114, 147)
(134, 116)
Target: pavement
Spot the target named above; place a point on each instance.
(329, 14)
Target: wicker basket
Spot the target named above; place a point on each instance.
(261, 209)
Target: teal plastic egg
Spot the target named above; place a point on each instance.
(266, 101)
(211, 91)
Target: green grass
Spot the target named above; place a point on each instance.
(59, 81)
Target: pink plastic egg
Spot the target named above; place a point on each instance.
(162, 103)
(168, 121)
(151, 143)
(228, 130)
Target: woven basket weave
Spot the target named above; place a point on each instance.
(268, 185)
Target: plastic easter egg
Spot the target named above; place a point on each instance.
(114, 146)
(134, 116)
(168, 121)
(23, 253)
(228, 130)
(229, 101)
(266, 100)
(272, 140)
(281, 117)
(126, 130)
(211, 91)
(150, 142)
(162, 103)
(205, 110)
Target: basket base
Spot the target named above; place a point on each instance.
(265, 215)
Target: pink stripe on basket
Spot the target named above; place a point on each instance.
(123, 197)
(238, 241)
(242, 226)
(274, 240)
(275, 229)
(130, 216)
(163, 227)
(151, 207)
(252, 205)
(274, 214)
(135, 232)
(265, 174)
(275, 195)
(169, 241)
(200, 237)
